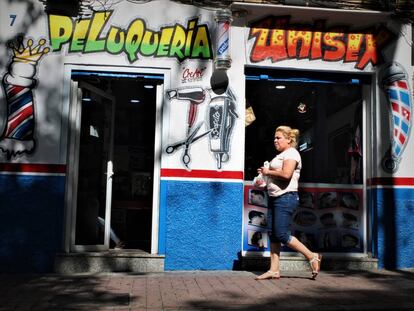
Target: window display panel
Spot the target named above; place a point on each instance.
(329, 219)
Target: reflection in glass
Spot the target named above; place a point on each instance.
(327, 111)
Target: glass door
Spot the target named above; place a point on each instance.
(113, 160)
(92, 139)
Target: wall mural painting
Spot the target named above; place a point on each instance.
(87, 35)
(394, 82)
(219, 122)
(276, 39)
(18, 84)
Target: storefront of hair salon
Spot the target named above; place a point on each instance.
(129, 134)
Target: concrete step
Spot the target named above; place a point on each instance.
(299, 263)
(108, 261)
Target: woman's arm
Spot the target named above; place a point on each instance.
(286, 172)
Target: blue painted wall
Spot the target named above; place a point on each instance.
(393, 227)
(201, 223)
(31, 222)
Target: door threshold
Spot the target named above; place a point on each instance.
(112, 253)
(299, 263)
(129, 260)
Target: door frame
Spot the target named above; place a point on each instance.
(74, 148)
(69, 145)
(369, 93)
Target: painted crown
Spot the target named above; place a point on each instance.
(28, 53)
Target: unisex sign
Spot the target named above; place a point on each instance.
(276, 39)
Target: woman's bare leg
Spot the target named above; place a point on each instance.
(274, 256)
(313, 258)
(273, 272)
(298, 246)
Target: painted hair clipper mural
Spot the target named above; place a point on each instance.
(18, 84)
(219, 122)
(221, 117)
(394, 82)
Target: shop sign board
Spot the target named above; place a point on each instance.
(274, 38)
(135, 40)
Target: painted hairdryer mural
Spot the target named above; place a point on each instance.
(394, 82)
(220, 119)
(18, 84)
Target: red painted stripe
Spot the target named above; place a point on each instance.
(24, 114)
(13, 90)
(32, 168)
(402, 84)
(406, 113)
(390, 181)
(401, 138)
(395, 106)
(168, 172)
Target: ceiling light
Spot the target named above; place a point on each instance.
(86, 96)
(149, 86)
(280, 87)
(135, 101)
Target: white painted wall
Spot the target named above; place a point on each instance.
(51, 93)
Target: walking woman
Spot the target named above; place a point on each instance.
(282, 177)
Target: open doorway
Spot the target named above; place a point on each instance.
(116, 156)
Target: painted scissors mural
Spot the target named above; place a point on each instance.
(219, 122)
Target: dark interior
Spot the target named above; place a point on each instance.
(327, 109)
(133, 158)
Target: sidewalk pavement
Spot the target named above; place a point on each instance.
(209, 290)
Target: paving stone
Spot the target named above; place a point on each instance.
(210, 290)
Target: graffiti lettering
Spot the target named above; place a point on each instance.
(192, 75)
(87, 36)
(216, 124)
(275, 40)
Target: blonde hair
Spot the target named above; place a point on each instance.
(290, 133)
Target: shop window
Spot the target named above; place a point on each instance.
(328, 113)
(327, 110)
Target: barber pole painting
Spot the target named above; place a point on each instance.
(394, 82)
(18, 84)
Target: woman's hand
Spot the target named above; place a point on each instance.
(264, 170)
(285, 172)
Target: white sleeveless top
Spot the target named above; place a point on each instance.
(277, 187)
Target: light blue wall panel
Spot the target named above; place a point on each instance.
(393, 224)
(201, 224)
